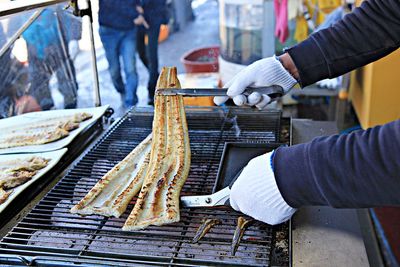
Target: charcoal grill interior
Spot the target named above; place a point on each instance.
(50, 232)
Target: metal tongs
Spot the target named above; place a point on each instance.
(273, 91)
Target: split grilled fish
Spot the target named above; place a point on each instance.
(158, 201)
(41, 132)
(16, 172)
(111, 195)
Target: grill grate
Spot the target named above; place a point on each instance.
(50, 230)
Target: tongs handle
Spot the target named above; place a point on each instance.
(273, 91)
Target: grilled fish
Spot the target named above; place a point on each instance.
(158, 201)
(25, 164)
(242, 224)
(205, 227)
(4, 195)
(41, 132)
(111, 195)
(16, 172)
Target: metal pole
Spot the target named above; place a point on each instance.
(20, 31)
(97, 99)
(13, 7)
(268, 37)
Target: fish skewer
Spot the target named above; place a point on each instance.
(242, 224)
(205, 227)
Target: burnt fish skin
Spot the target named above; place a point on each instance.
(242, 224)
(206, 225)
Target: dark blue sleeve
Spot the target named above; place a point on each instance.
(361, 169)
(368, 33)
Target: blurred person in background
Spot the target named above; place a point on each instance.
(13, 83)
(47, 39)
(118, 35)
(154, 13)
(7, 102)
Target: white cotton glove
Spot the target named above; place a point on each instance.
(330, 83)
(264, 72)
(256, 193)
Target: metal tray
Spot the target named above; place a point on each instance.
(235, 157)
(54, 157)
(18, 122)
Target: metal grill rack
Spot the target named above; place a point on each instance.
(49, 233)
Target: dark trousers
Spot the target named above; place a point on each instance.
(40, 70)
(149, 55)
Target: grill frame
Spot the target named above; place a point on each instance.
(225, 133)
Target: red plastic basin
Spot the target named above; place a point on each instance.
(201, 60)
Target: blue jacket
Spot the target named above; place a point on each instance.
(118, 14)
(42, 33)
(155, 11)
(53, 26)
(361, 169)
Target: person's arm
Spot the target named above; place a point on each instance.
(358, 170)
(361, 169)
(368, 33)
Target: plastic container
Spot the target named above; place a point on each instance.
(201, 60)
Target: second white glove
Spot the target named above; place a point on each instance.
(256, 193)
(264, 72)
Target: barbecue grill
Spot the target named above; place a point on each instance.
(49, 234)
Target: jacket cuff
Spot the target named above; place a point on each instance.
(294, 178)
(310, 61)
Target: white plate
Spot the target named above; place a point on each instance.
(54, 157)
(29, 118)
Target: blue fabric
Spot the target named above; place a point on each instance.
(70, 24)
(149, 55)
(332, 18)
(42, 33)
(155, 11)
(118, 14)
(356, 170)
(46, 55)
(368, 33)
(119, 44)
(360, 169)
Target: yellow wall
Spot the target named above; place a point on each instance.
(375, 91)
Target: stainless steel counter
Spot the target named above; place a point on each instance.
(324, 236)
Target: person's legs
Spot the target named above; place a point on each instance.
(141, 46)
(66, 79)
(152, 56)
(128, 53)
(111, 40)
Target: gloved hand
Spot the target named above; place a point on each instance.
(330, 83)
(256, 193)
(264, 72)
